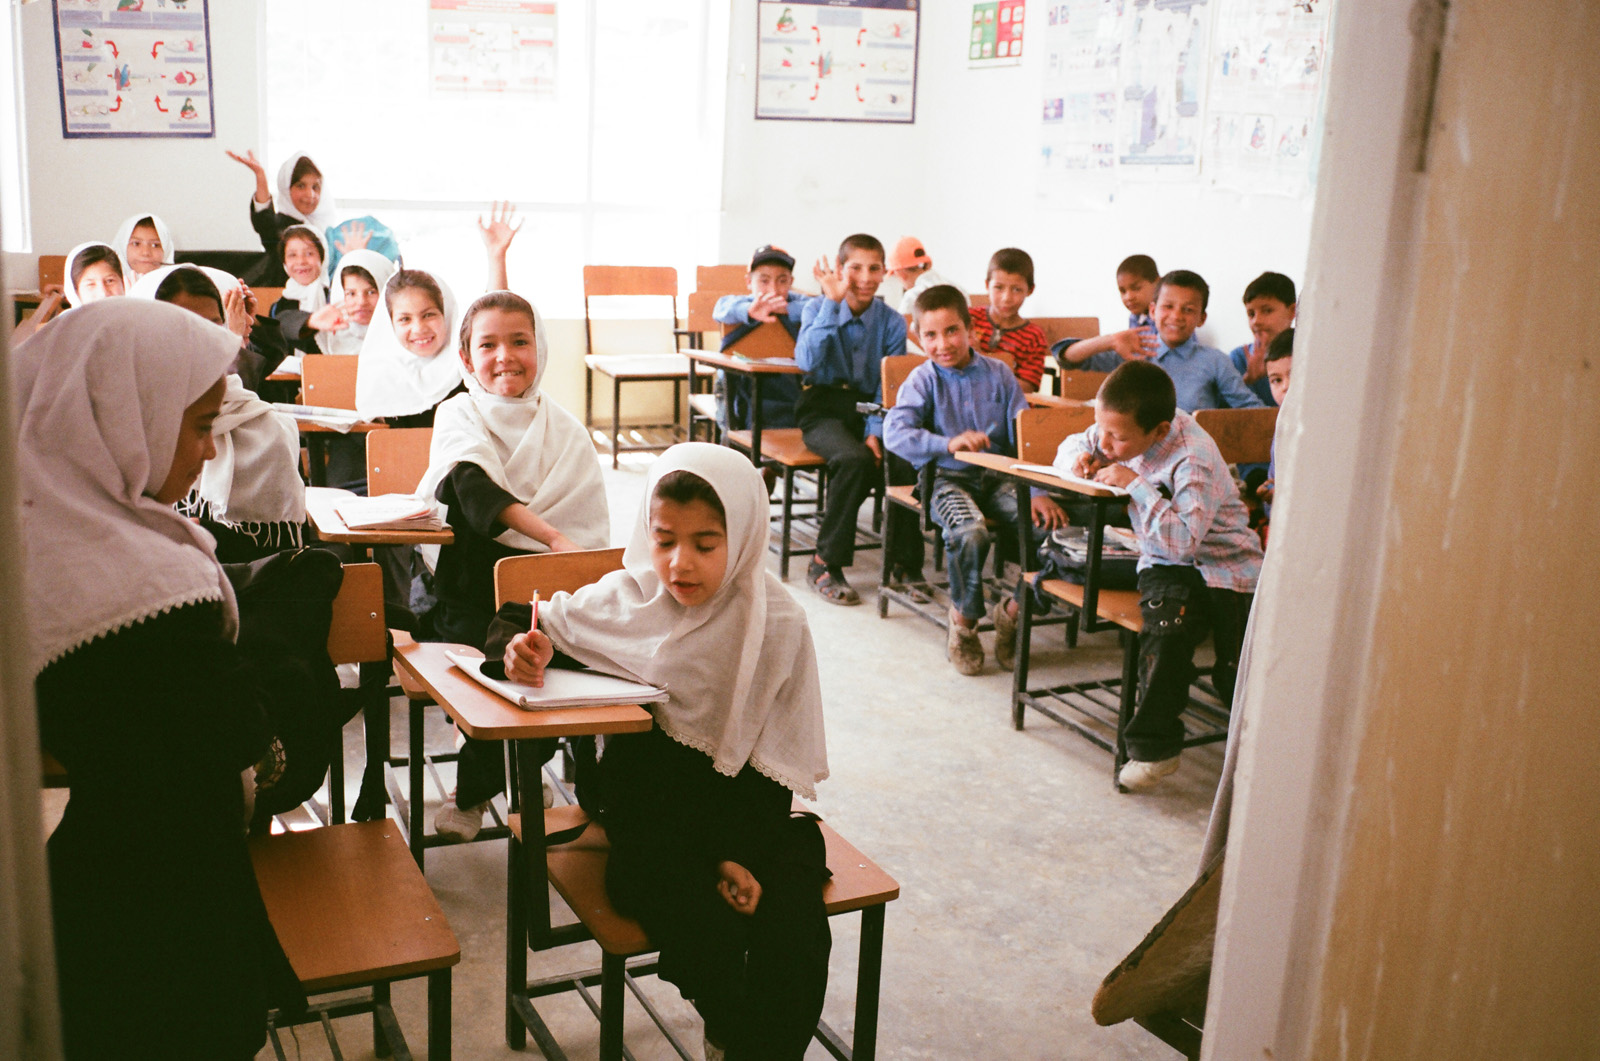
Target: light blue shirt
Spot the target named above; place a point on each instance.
(936, 404)
(1204, 377)
(1240, 356)
(836, 347)
(735, 309)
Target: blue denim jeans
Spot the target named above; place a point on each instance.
(961, 504)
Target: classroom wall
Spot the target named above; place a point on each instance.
(963, 179)
(83, 189)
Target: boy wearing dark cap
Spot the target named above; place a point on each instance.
(771, 298)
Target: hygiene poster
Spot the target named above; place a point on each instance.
(846, 61)
(995, 38)
(134, 68)
(492, 47)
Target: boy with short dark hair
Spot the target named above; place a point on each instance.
(999, 328)
(1198, 558)
(1136, 284)
(771, 298)
(1280, 361)
(1269, 305)
(1202, 375)
(959, 401)
(844, 337)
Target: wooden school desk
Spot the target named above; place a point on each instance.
(757, 369)
(320, 508)
(316, 439)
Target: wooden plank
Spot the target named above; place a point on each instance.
(895, 368)
(1080, 385)
(330, 381)
(1170, 970)
(397, 459)
(1058, 328)
(721, 279)
(604, 281)
(516, 577)
(1041, 429)
(1243, 435)
(359, 633)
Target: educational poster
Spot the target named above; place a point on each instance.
(1266, 88)
(996, 36)
(1163, 73)
(1083, 39)
(845, 61)
(134, 68)
(492, 47)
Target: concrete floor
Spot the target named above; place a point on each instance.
(1024, 876)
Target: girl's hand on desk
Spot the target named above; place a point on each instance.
(526, 658)
(738, 887)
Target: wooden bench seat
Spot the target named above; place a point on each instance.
(351, 909)
(1120, 606)
(782, 445)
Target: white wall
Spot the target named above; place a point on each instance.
(963, 178)
(83, 189)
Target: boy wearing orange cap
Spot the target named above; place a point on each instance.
(910, 264)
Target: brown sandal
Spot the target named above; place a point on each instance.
(833, 588)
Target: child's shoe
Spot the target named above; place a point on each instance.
(1005, 636)
(460, 824)
(1139, 776)
(830, 583)
(963, 647)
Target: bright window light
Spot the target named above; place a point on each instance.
(14, 176)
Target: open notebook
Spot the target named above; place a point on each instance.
(387, 512)
(1051, 470)
(562, 688)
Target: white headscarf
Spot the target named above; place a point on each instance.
(740, 669)
(100, 397)
(124, 233)
(532, 448)
(391, 380)
(70, 287)
(323, 217)
(255, 477)
(312, 296)
(349, 339)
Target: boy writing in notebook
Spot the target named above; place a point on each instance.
(844, 337)
(1198, 558)
(771, 298)
(1136, 286)
(960, 401)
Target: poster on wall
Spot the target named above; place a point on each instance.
(1267, 61)
(845, 61)
(1163, 76)
(492, 47)
(996, 35)
(134, 68)
(1078, 150)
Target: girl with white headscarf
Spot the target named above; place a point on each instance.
(514, 473)
(250, 496)
(145, 243)
(704, 851)
(95, 271)
(142, 694)
(407, 365)
(356, 288)
(301, 200)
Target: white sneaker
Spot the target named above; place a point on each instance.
(460, 824)
(1139, 776)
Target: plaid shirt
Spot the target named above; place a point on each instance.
(1025, 343)
(1185, 507)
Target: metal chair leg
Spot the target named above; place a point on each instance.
(439, 1015)
(869, 977)
(612, 968)
(381, 1045)
(414, 768)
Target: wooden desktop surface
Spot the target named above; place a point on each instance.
(320, 502)
(999, 462)
(764, 366)
(486, 716)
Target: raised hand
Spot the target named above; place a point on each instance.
(355, 239)
(1134, 344)
(235, 316)
(768, 307)
(1255, 362)
(248, 159)
(827, 275)
(498, 232)
(329, 318)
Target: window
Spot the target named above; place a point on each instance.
(621, 164)
(14, 176)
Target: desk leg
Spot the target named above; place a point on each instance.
(372, 800)
(317, 457)
(1019, 671)
(1091, 573)
(691, 375)
(439, 1016)
(516, 916)
(869, 979)
(535, 871)
(414, 767)
(755, 418)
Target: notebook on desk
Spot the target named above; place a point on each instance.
(1051, 470)
(340, 420)
(387, 512)
(562, 688)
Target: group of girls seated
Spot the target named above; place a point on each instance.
(146, 458)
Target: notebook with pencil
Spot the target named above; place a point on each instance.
(562, 688)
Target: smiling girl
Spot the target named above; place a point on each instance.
(516, 473)
(95, 271)
(300, 201)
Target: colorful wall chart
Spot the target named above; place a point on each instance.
(846, 61)
(996, 37)
(492, 47)
(134, 68)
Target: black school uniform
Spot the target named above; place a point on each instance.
(290, 322)
(163, 946)
(269, 225)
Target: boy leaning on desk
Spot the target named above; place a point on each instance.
(1198, 558)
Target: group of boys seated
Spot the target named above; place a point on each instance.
(1200, 556)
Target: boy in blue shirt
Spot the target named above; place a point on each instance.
(1269, 304)
(1202, 375)
(770, 280)
(844, 337)
(962, 401)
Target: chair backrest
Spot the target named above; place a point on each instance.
(1243, 435)
(396, 459)
(359, 633)
(771, 339)
(701, 303)
(1058, 328)
(720, 279)
(1040, 430)
(516, 577)
(52, 270)
(1080, 386)
(266, 297)
(329, 380)
(608, 281)
(979, 299)
(896, 367)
